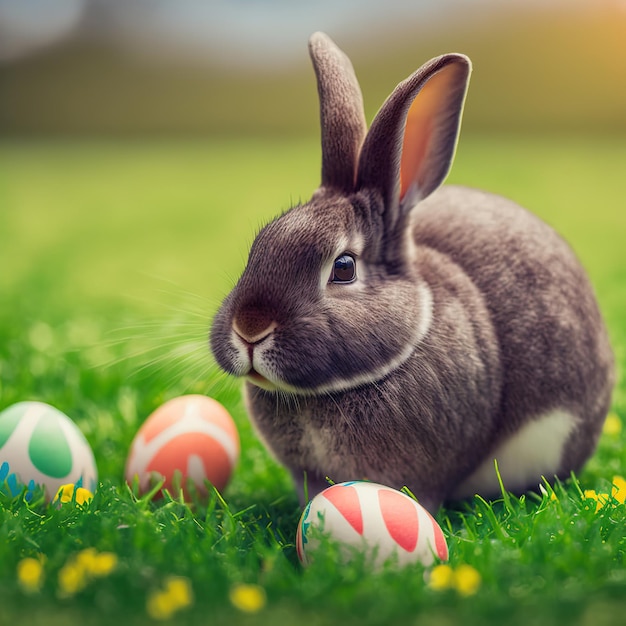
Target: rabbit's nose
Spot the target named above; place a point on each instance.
(253, 326)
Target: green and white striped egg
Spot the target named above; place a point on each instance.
(40, 445)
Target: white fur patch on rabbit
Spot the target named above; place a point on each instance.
(534, 451)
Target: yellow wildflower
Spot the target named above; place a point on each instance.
(96, 564)
(176, 595)
(248, 598)
(619, 489)
(441, 577)
(612, 425)
(618, 492)
(179, 591)
(30, 574)
(103, 564)
(467, 580)
(600, 498)
(85, 558)
(66, 492)
(159, 606)
(464, 579)
(72, 579)
(88, 564)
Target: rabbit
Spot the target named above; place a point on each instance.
(395, 330)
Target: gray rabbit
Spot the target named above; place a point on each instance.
(408, 334)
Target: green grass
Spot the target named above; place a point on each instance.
(113, 258)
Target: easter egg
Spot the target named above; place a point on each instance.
(192, 436)
(373, 518)
(39, 445)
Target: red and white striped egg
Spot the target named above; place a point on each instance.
(375, 518)
(192, 435)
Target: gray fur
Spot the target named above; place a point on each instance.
(341, 113)
(351, 387)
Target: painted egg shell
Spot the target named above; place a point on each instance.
(39, 445)
(191, 435)
(374, 518)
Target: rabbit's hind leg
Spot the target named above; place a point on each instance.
(534, 451)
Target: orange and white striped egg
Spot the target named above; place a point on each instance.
(192, 435)
(375, 518)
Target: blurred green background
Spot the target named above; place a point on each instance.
(133, 67)
(143, 143)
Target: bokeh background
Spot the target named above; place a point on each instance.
(143, 142)
(186, 67)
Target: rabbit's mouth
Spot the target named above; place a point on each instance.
(260, 381)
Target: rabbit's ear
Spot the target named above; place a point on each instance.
(410, 146)
(341, 113)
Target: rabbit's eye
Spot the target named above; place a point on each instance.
(344, 270)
